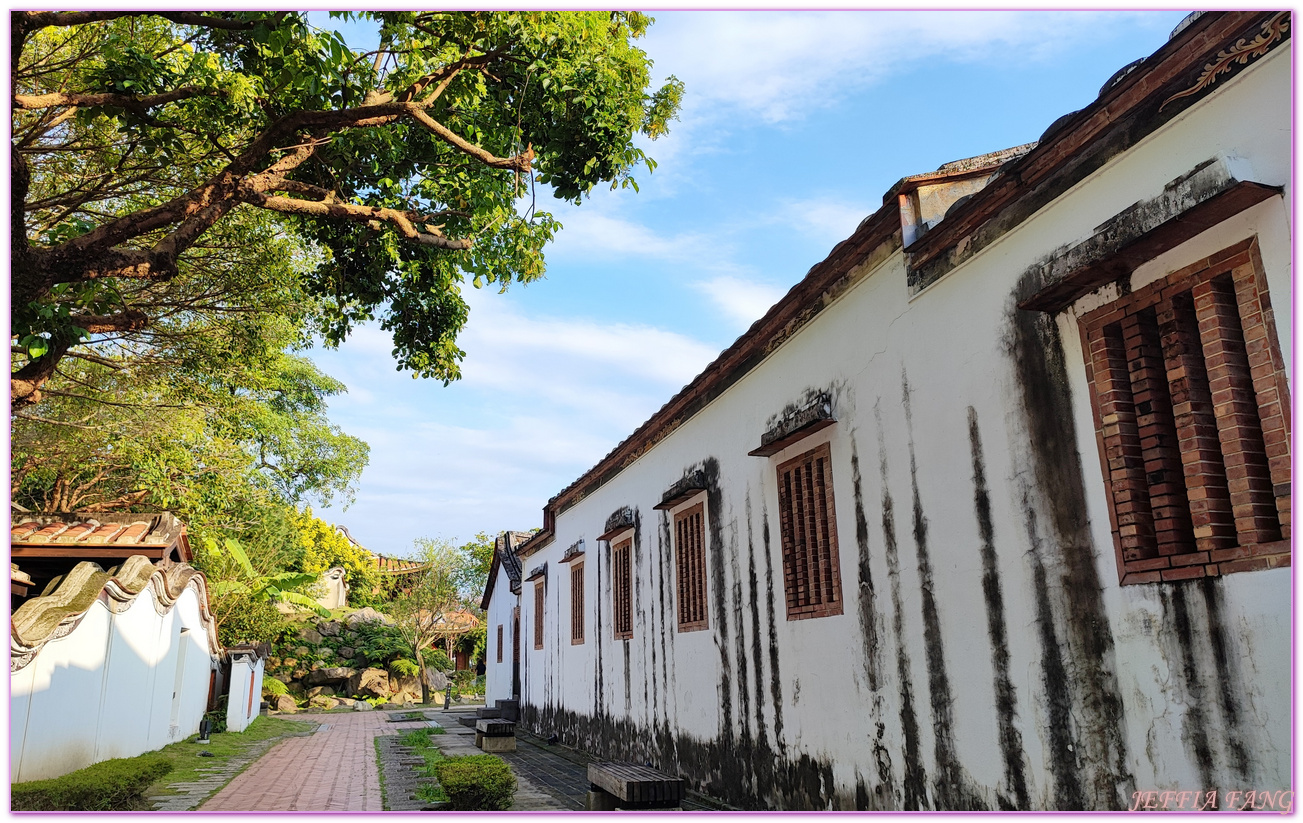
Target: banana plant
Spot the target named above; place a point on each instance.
(261, 587)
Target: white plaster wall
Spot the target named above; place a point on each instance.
(498, 675)
(106, 690)
(904, 373)
(239, 713)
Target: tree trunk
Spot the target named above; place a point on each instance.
(425, 680)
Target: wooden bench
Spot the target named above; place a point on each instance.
(493, 734)
(630, 786)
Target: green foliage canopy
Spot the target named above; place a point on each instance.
(137, 134)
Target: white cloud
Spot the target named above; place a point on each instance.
(742, 301)
(778, 65)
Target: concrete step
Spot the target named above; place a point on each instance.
(509, 710)
(488, 713)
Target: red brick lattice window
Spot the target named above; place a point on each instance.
(576, 604)
(499, 642)
(690, 567)
(621, 588)
(538, 614)
(808, 524)
(1192, 415)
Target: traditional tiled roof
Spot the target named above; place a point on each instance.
(103, 535)
(396, 565)
(56, 614)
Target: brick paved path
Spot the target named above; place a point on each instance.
(333, 770)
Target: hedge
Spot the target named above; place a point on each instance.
(113, 785)
(479, 782)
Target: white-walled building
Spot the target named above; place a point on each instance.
(105, 664)
(992, 509)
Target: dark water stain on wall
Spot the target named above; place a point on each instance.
(867, 597)
(1227, 680)
(757, 651)
(1067, 794)
(1046, 397)
(640, 610)
(714, 513)
(914, 785)
(740, 651)
(712, 766)
(1201, 652)
(1006, 697)
(775, 679)
(602, 587)
(1194, 728)
(951, 787)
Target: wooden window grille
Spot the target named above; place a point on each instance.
(538, 614)
(690, 566)
(1191, 407)
(576, 603)
(622, 589)
(499, 642)
(808, 525)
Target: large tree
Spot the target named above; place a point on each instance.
(411, 167)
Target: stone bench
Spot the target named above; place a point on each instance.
(493, 734)
(630, 786)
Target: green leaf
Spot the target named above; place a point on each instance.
(237, 551)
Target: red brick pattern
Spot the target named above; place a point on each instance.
(807, 521)
(333, 770)
(538, 614)
(576, 603)
(1191, 408)
(690, 567)
(622, 589)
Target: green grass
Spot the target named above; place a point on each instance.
(418, 740)
(384, 792)
(186, 762)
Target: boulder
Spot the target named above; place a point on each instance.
(404, 687)
(333, 674)
(367, 615)
(302, 652)
(284, 703)
(362, 706)
(325, 691)
(310, 636)
(347, 652)
(345, 701)
(322, 702)
(438, 680)
(330, 628)
(299, 673)
(369, 683)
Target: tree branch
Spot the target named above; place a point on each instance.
(403, 221)
(132, 102)
(520, 162)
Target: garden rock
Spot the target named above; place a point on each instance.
(310, 636)
(323, 702)
(325, 691)
(346, 652)
(284, 703)
(345, 701)
(363, 706)
(334, 674)
(367, 615)
(330, 628)
(404, 686)
(369, 683)
(302, 651)
(438, 680)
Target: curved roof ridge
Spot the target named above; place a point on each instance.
(49, 617)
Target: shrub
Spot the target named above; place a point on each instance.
(113, 785)
(438, 659)
(404, 667)
(247, 620)
(217, 717)
(274, 687)
(480, 782)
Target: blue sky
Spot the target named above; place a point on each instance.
(793, 125)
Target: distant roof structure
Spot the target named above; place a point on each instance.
(504, 557)
(382, 564)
